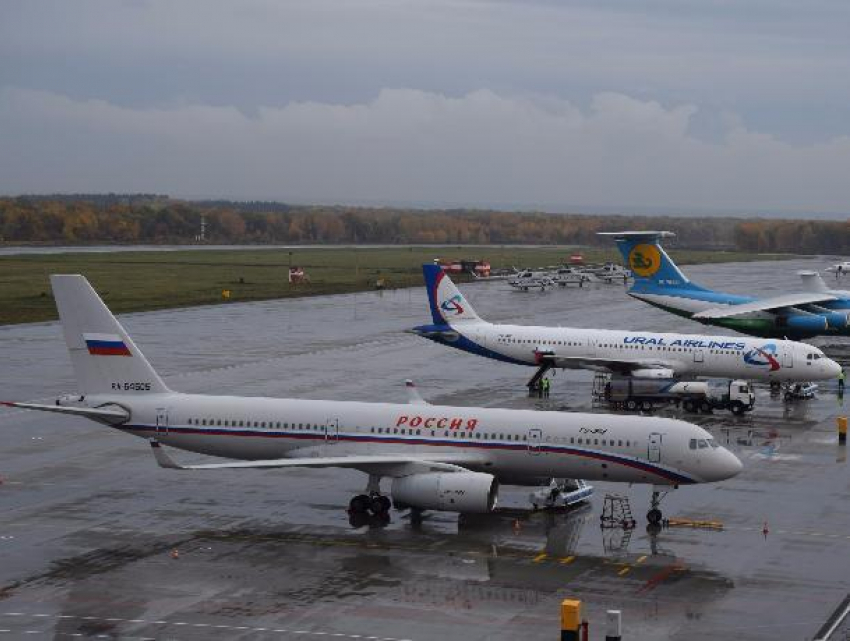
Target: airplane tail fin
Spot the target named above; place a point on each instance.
(448, 305)
(651, 267)
(104, 357)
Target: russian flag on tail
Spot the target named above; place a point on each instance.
(106, 345)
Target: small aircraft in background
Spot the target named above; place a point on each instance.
(438, 457)
(816, 311)
(527, 279)
(840, 269)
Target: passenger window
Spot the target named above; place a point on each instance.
(596, 441)
(619, 443)
(572, 439)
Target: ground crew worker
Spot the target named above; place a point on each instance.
(546, 384)
(841, 380)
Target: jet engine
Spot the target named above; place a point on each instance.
(447, 491)
(836, 320)
(661, 372)
(816, 323)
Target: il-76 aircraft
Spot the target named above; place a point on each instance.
(639, 354)
(814, 311)
(440, 458)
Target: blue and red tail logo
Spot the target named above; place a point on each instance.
(106, 345)
(453, 305)
(761, 356)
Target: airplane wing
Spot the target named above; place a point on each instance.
(113, 414)
(765, 305)
(385, 465)
(623, 366)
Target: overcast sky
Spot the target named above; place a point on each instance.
(625, 105)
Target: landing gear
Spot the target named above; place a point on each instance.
(371, 501)
(654, 516)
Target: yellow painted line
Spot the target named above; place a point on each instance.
(567, 560)
(624, 571)
(540, 557)
(641, 559)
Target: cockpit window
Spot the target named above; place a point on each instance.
(712, 442)
(693, 444)
(702, 443)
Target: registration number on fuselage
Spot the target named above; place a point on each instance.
(127, 386)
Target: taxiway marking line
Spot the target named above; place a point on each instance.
(641, 559)
(567, 560)
(186, 623)
(624, 571)
(540, 557)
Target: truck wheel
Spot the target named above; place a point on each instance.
(688, 406)
(738, 408)
(646, 406)
(705, 408)
(631, 405)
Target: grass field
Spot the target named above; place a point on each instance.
(138, 281)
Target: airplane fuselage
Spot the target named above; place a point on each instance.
(684, 354)
(510, 444)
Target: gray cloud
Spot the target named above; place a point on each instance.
(467, 101)
(414, 146)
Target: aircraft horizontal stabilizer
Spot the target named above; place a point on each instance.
(114, 415)
(765, 305)
(637, 235)
(385, 465)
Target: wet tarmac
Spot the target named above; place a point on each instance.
(89, 522)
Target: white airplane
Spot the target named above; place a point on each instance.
(840, 269)
(624, 352)
(438, 457)
(527, 279)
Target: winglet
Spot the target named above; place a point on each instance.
(162, 458)
(812, 281)
(413, 395)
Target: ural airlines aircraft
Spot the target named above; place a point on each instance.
(816, 311)
(639, 354)
(441, 458)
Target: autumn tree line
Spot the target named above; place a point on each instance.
(159, 219)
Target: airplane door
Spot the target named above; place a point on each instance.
(161, 420)
(699, 356)
(654, 448)
(591, 346)
(535, 437)
(787, 357)
(331, 431)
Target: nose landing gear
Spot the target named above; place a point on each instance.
(654, 516)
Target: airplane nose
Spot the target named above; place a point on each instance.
(833, 369)
(726, 466)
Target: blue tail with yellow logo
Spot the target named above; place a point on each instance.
(652, 268)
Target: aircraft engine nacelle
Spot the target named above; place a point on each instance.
(665, 372)
(807, 323)
(447, 491)
(836, 320)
